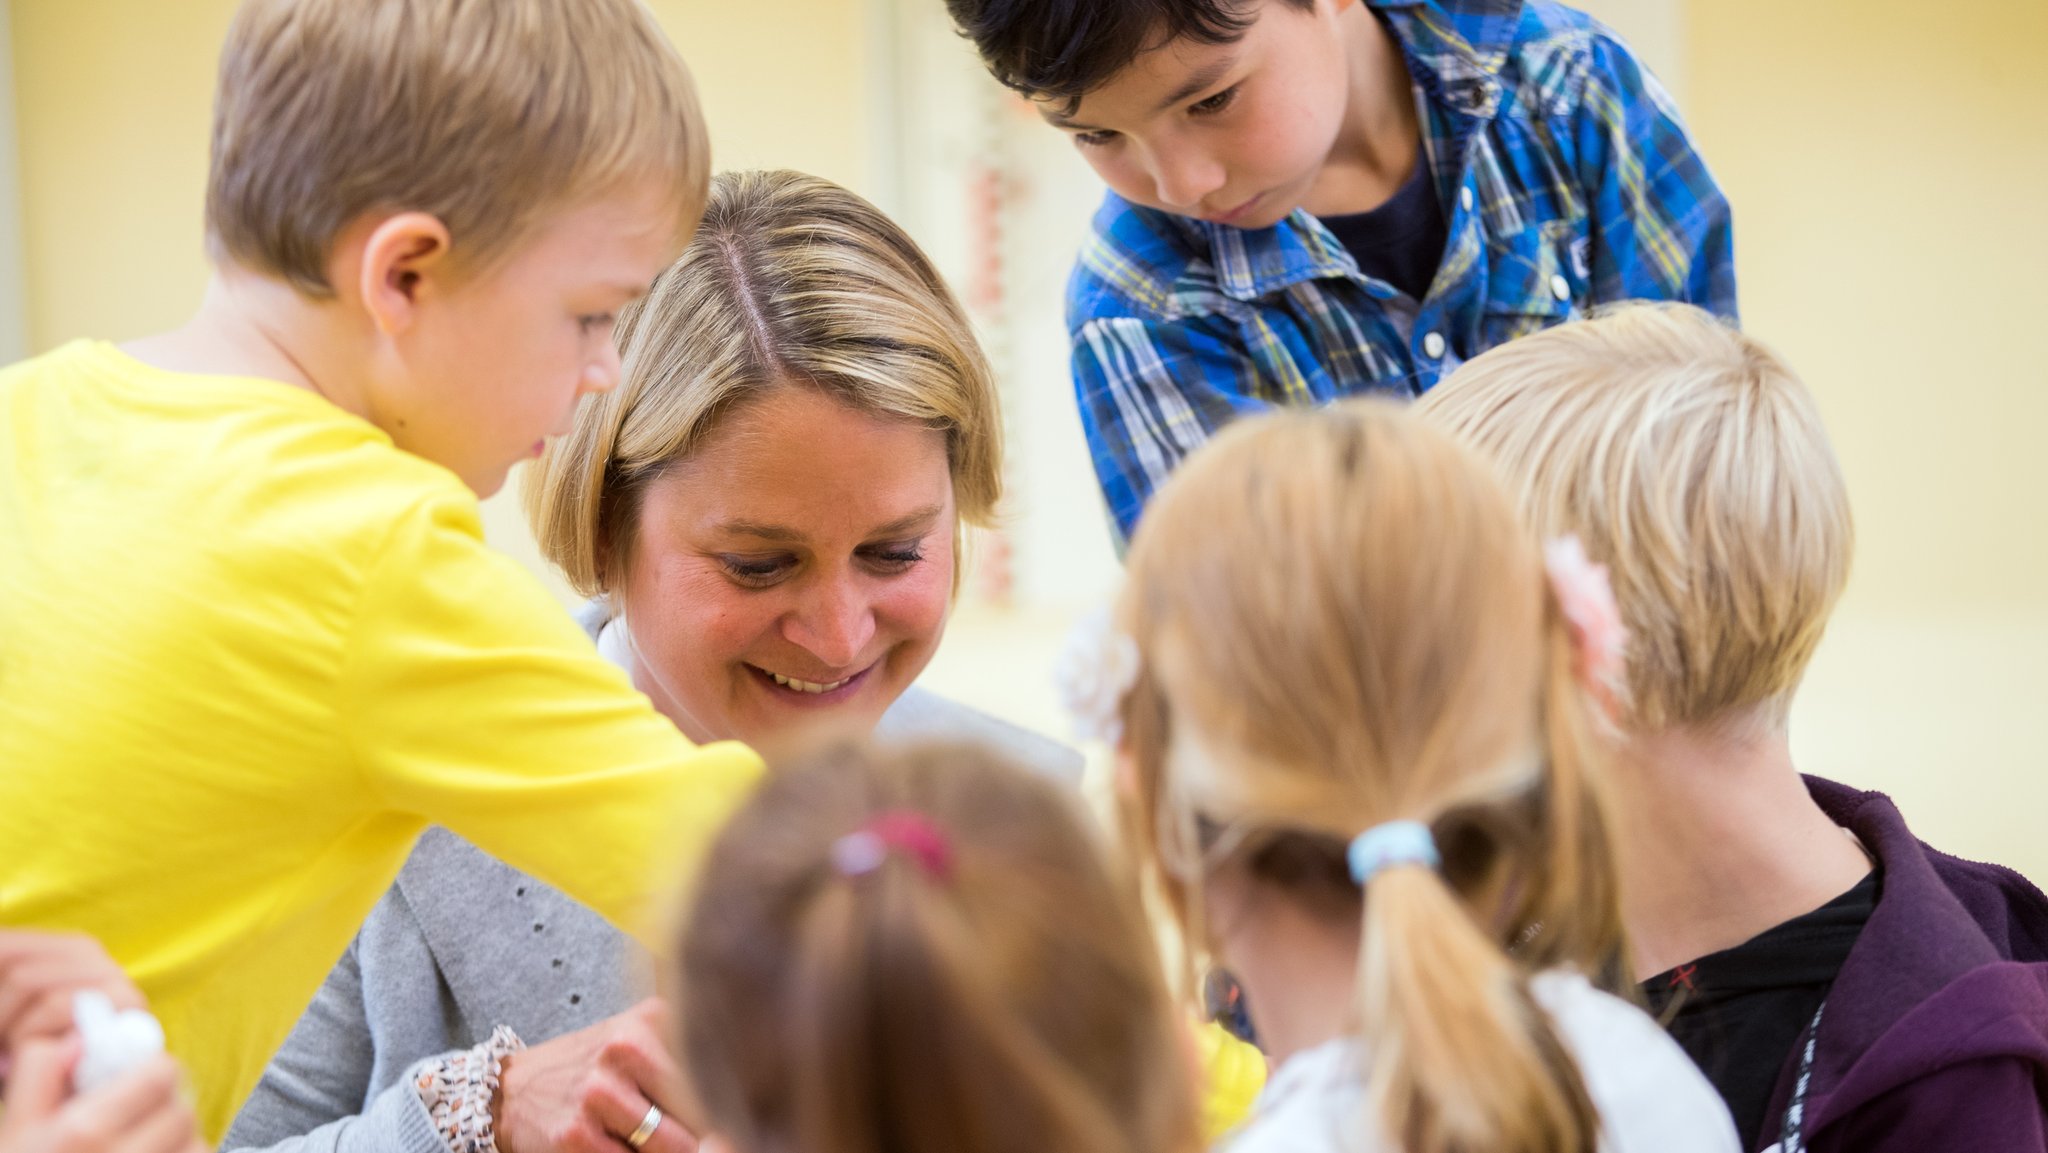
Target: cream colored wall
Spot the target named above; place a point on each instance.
(111, 99)
(1886, 162)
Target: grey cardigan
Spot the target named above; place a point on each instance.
(463, 942)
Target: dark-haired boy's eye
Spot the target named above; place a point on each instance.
(1094, 139)
(1214, 104)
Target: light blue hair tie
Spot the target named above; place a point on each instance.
(1394, 843)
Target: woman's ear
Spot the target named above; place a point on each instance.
(602, 572)
(399, 257)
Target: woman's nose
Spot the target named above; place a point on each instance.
(835, 626)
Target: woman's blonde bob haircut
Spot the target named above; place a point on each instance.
(791, 281)
(1691, 461)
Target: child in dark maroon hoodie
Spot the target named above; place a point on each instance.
(1843, 985)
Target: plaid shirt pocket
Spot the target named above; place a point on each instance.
(1532, 281)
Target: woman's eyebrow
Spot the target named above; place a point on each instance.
(783, 534)
(922, 518)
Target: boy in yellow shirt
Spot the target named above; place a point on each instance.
(251, 641)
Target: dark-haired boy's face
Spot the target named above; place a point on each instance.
(1233, 133)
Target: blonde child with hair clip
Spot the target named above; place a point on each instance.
(1844, 986)
(254, 641)
(1356, 765)
(925, 951)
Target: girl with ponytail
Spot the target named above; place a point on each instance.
(1356, 763)
(923, 951)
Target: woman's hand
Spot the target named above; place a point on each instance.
(587, 1091)
(140, 1112)
(39, 972)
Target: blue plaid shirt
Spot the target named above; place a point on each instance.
(1567, 180)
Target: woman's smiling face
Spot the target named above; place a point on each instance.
(797, 567)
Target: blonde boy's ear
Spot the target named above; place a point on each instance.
(399, 253)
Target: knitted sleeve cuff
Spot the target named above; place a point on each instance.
(458, 1090)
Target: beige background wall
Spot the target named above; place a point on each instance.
(1887, 170)
(1887, 163)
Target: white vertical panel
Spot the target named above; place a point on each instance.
(13, 285)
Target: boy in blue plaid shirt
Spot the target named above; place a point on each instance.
(1315, 198)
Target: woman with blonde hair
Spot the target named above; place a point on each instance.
(767, 514)
(1357, 766)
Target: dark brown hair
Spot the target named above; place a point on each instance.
(1064, 49)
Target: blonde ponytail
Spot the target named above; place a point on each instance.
(1342, 623)
(1462, 1058)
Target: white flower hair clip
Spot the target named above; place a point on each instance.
(1587, 598)
(1096, 668)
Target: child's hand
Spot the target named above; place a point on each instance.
(141, 1112)
(38, 974)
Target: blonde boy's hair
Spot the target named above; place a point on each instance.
(790, 281)
(485, 115)
(1691, 461)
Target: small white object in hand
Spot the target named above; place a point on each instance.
(1096, 669)
(115, 1040)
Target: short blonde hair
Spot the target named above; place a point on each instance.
(1691, 461)
(791, 280)
(485, 115)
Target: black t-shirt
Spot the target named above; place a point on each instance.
(1401, 241)
(1737, 1013)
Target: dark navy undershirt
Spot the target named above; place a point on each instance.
(1739, 1012)
(1401, 241)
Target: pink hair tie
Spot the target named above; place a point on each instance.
(863, 850)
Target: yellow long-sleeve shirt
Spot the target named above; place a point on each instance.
(248, 650)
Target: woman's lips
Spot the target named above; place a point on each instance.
(798, 690)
